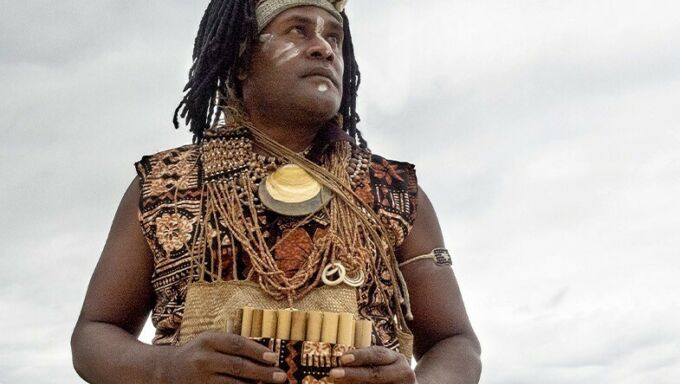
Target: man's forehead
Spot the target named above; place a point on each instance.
(307, 15)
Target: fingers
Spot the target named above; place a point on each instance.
(374, 365)
(370, 356)
(379, 374)
(231, 344)
(243, 368)
(226, 380)
(233, 358)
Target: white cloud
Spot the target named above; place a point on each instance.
(545, 134)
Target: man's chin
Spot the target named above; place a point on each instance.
(320, 107)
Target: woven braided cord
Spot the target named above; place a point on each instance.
(267, 10)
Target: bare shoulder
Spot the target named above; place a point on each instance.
(426, 233)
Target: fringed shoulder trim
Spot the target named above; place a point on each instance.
(168, 163)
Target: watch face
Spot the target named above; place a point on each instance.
(442, 257)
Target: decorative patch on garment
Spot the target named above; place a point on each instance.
(305, 361)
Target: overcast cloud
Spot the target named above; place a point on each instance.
(545, 132)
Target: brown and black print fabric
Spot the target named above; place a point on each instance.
(170, 208)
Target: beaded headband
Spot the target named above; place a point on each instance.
(267, 10)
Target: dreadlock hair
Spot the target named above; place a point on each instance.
(226, 26)
(222, 46)
(351, 80)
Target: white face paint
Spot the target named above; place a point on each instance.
(289, 50)
(288, 55)
(320, 27)
(266, 40)
(285, 53)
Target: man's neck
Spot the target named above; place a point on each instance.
(293, 135)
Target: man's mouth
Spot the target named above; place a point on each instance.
(322, 73)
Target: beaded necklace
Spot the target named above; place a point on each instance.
(231, 175)
(231, 214)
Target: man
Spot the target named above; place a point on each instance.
(286, 70)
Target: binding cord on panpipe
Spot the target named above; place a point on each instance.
(325, 335)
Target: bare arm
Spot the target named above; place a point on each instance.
(446, 347)
(118, 301)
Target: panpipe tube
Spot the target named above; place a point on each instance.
(314, 323)
(298, 327)
(256, 329)
(329, 331)
(363, 333)
(246, 321)
(283, 324)
(269, 323)
(346, 329)
(229, 326)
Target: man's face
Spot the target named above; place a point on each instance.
(297, 65)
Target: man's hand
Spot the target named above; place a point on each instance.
(374, 365)
(214, 357)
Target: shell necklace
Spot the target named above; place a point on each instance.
(291, 191)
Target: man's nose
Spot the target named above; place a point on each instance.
(320, 49)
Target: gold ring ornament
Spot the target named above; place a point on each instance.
(331, 270)
(291, 191)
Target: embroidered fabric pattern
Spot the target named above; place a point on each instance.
(170, 209)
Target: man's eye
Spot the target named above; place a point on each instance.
(333, 40)
(298, 30)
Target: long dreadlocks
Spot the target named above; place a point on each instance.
(222, 45)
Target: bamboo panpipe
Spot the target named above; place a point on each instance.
(364, 329)
(314, 324)
(229, 326)
(346, 329)
(298, 327)
(256, 329)
(329, 331)
(283, 324)
(246, 321)
(288, 324)
(268, 323)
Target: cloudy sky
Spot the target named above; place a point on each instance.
(545, 132)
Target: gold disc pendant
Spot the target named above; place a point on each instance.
(291, 191)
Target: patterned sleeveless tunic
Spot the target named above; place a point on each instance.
(169, 210)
